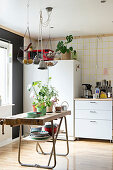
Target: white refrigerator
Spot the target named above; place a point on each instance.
(66, 78)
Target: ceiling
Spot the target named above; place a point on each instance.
(76, 17)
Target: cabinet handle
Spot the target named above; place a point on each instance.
(93, 112)
(92, 102)
(92, 121)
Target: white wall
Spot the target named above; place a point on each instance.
(96, 58)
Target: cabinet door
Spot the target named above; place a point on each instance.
(93, 114)
(98, 129)
(96, 105)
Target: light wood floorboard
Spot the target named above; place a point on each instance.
(84, 155)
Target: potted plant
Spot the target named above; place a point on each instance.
(43, 95)
(63, 48)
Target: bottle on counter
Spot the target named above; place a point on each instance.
(109, 83)
(97, 92)
(109, 90)
(108, 93)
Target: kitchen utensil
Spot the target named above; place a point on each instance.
(64, 107)
(57, 109)
(104, 83)
(42, 65)
(36, 60)
(38, 129)
(40, 135)
(34, 114)
(49, 129)
(87, 92)
(98, 84)
(43, 132)
(39, 138)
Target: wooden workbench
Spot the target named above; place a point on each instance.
(22, 119)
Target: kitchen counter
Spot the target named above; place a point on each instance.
(93, 118)
(80, 99)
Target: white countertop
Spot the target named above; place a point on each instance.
(107, 99)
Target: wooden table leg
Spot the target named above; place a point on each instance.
(37, 165)
(45, 153)
(19, 147)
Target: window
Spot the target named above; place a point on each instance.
(6, 72)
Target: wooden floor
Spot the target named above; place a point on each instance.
(84, 155)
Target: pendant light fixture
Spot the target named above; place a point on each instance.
(51, 54)
(26, 59)
(42, 64)
(43, 57)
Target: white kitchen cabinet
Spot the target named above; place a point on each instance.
(93, 118)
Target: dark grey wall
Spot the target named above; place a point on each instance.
(17, 81)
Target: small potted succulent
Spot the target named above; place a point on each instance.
(63, 48)
(43, 95)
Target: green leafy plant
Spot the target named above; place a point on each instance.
(43, 94)
(62, 46)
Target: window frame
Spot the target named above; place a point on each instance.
(9, 47)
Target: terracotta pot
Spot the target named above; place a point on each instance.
(34, 109)
(49, 109)
(66, 56)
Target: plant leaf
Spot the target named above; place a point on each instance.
(74, 52)
(71, 48)
(69, 38)
(68, 50)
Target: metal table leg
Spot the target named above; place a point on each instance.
(45, 153)
(37, 165)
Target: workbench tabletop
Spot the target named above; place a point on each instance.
(22, 119)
